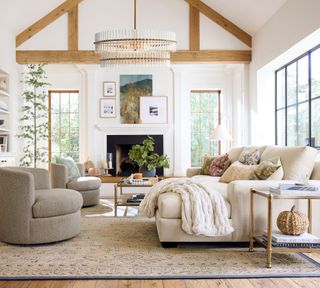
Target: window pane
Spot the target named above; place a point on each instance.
(303, 91)
(55, 102)
(74, 102)
(64, 102)
(315, 73)
(303, 124)
(281, 131)
(291, 84)
(204, 118)
(315, 126)
(291, 127)
(281, 89)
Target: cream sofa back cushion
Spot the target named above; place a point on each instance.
(235, 152)
(316, 171)
(297, 162)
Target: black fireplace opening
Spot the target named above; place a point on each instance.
(119, 146)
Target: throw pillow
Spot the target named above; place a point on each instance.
(237, 171)
(206, 162)
(265, 169)
(249, 156)
(73, 171)
(219, 165)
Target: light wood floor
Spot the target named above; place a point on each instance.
(227, 283)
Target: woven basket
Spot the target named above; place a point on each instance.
(292, 222)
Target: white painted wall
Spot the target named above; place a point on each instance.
(280, 40)
(8, 64)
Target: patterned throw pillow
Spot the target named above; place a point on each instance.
(206, 162)
(237, 171)
(73, 171)
(265, 169)
(219, 165)
(249, 157)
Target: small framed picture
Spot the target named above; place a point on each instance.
(109, 88)
(107, 108)
(153, 109)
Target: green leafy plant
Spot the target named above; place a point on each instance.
(144, 155)
(34, 127)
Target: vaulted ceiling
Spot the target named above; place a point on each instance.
(249, 15)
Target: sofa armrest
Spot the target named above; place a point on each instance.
(81, 169)
(59, 175)
(193, 171)
(239, 198)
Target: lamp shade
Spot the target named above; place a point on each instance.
(220, 133)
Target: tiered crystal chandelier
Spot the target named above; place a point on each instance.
(137, 47)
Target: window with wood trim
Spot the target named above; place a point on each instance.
(205, 117)
(297, 108)
(64, 124)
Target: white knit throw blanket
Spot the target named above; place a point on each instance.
(204, 212)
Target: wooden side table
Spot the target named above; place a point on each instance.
(268, 246)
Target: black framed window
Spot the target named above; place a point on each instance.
(297, 108)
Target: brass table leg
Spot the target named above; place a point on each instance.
(115, 200)
(251, 228)
(269, 244)
(310, 215)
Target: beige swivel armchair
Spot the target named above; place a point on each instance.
(89, 187)
(31, 212)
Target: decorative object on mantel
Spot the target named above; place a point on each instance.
(153, 110)
(107, 108)
(34, 121)
(107, 165)
(109, 88)
(145, 157)
(131, 46)
(292, 222)
(87, 165)
(131, 88)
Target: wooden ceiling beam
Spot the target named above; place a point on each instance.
(221, 21)
(194, 28)
(73, 28)
(90, 57)
(65, 7)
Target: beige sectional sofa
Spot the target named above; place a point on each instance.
(297, 163)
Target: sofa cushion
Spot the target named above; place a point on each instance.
(206, 162)
(234, 153)
(265, 169)
(169, 205)
(219, 165)
(297, 162)
(212, 183)
(249, 156)
(56, 202)
(316, 171)
(84, 183)
(237, 171)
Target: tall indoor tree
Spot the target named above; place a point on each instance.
(34, 120)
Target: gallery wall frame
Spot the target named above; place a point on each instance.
(109, 88)
(107, 108)
(154, 109)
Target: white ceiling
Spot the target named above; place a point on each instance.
(250, 15)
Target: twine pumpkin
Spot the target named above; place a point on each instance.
(292, 222)
(87, 165)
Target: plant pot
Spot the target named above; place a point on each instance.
(147, 173)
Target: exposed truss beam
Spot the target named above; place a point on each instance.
(73, 28)
(90, 57)
(194, 28)
(222, 21)
(65, 7)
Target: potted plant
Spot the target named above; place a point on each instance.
(147, 160)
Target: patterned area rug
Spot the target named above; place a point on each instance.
(110, 248)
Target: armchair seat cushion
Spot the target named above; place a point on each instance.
(169, 205)
(84, 183)
(56, 202)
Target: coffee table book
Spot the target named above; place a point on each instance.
(295, 189)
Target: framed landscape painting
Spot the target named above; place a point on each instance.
(153, 110)
(132, 87)
(107, 108)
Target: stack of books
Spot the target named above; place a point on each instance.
(295, 189)
(279, 239)
(136, 198)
